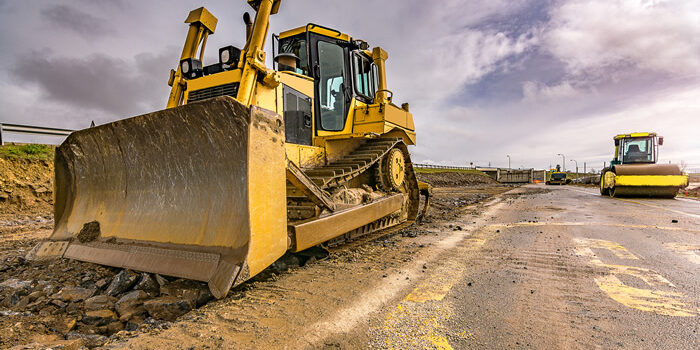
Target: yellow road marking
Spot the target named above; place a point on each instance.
(648, 276)
(439, 342)
(662, 302)
(656, 301)
(424, 300)
(688, 251)
(439, 283)
(525, 224)
(584, 246)
(636, 202)
(659, 207)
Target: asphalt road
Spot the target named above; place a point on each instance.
(561, 268)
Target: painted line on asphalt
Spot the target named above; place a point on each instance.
(584, 246)
(688, 251)
(646, 204)
(582, 191)
(659, 207)
(659, 301)
(525, 224)
(424, 309)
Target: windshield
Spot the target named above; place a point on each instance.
(558, 176)
(638, 150)
(296, 45)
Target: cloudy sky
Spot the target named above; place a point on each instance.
(485, 79)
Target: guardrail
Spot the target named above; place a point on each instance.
(30, 129)
(499, 174)
(432, 166)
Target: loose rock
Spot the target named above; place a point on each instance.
(122, 282)
(73, 294)
(131, 304)
(197, 293)
(167, 308)
(148, 284)
(90, 340)
(99, 317)
(100, 302)
(161, 280)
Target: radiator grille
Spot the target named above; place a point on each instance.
(214, 91)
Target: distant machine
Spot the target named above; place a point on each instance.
(557, 177)
(634, 172)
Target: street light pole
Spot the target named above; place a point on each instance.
(563, 162)
(508, 161)
(574, 160)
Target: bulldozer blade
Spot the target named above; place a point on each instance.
(196, 191)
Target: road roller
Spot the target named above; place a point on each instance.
(634, 171)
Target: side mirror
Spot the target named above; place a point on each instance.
(661, 140)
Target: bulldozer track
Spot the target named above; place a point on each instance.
(352, 165)
(357, 162)
(388, 224)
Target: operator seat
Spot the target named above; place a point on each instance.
(634, 154)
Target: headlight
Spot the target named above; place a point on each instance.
(185, 66)
(191, 68)
(229, 55)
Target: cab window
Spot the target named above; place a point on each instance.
(331, 85)
(639, 150)
(364, 75)
(296, 45)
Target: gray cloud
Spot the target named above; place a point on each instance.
(595, 37)
(485, 78)
(115, 86)
(82, 23)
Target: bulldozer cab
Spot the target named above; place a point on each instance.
(342, 69)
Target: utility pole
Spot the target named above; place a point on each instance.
(508, 161)
(563, 162)
(584, 167)
(574, 160)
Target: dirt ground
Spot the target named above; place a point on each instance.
(26, 187)
(71, 303)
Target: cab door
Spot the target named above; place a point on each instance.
(297, 117)
(333, 94)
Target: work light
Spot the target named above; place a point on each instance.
(191, 68)
(229, 55)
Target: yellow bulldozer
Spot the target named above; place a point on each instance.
(245, 164)
(634, 172)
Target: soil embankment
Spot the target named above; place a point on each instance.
(26, 186)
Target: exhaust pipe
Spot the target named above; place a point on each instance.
(248, 25)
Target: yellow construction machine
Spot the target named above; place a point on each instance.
(245, 164)
(557, 177)
(634, 172)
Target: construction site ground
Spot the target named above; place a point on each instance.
(491, 266)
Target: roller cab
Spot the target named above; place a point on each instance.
(634, 170)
